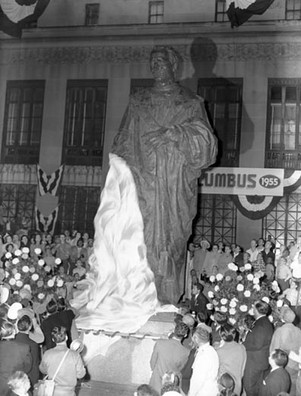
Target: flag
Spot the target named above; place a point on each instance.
(239, 11)
(49, 184)
(15, 14)
(46, 223)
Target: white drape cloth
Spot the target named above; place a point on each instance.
(119, 292)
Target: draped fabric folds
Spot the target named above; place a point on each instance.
(119, 292)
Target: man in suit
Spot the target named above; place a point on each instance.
(168, 355)
(257, 344)
(199, 301)
(278, 379)
(24, 325)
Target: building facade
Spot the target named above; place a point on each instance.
(65, 86)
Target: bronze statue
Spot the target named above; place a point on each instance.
(166, 140)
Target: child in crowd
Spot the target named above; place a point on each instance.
(171, 383)
(145, 390)
(283, 274)
(291, 294)
(269, 272)
(79, 269)
(226, 385)
(18, 384)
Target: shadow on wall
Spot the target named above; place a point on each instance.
(204, 56)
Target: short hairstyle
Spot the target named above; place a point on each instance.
(199, 286)
(146, 390)
(181, 330)
(228, 332)
(58, 334)
(24, 323)
(201, 336)
(262, 307)
(7, 329)
(51, 307)
(18, 380)
(173, 56)
(280, 357)
(202, 317)
(170, 388)
(227, 381)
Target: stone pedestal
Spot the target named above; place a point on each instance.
(124, 358)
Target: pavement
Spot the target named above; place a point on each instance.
(98, 388)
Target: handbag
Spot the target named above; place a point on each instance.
(45, 387)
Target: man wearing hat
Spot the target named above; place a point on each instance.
(288, 338)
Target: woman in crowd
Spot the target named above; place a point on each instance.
(37, 244)
(232, 356)
(24, 241)
(71, 369)
(58, 316)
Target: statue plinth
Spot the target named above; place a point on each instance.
(124, 358)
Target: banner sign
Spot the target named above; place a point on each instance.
(242, 181)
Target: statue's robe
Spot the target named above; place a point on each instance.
(166, 178)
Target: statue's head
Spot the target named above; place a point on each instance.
(164, 62)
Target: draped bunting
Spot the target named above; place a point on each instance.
(49, 184)
(239, 11)
(14, 15)
(256, 207)
(46, 223)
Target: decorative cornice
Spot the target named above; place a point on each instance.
(209, 51)
(18, 174)
(86, 176)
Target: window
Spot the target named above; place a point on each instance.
(92, 14)
(216, 219)
(293, 9)
(221, 11)
(284, 221)
(223, 101)
(85, 122)
(156, 12)
(283, 124)
(18, 202)
(76, 200)
(22, 122)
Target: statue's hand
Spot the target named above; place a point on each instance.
(156, 139)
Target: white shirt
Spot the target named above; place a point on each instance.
(203, 381)
(253, 254)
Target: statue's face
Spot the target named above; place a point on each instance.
(161, 67)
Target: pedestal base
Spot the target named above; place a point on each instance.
(124, 358)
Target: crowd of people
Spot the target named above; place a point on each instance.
(205, 355)
(33, 343)
(73, 250)
(208, 355)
